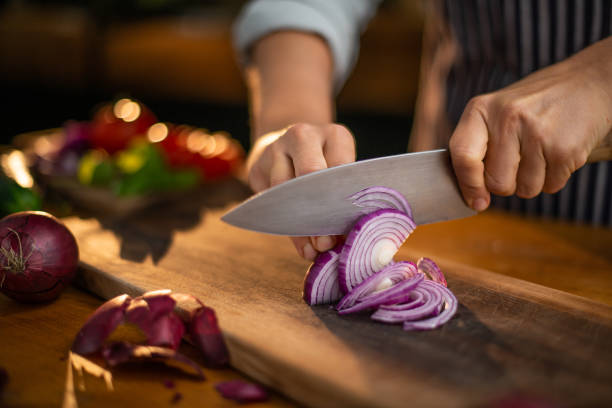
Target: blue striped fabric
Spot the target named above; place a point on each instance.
(503, 41)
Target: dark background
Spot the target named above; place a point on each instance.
(59, 60)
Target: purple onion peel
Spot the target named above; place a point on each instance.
(242, 391)
(431, 269)
(100, 325)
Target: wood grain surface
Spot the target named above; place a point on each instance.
(35, 344)
(511, 338)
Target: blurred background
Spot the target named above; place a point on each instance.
(60, 59)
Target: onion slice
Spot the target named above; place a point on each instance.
(100, 325)
(379, 197)
(321, 281)
(395, 294)
(371, 245)
(122, 352)
(431, 269)
(383, 279)
(450, 308)
(242, 391)
(206, 334)
(430, 307)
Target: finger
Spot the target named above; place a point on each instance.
(323, 243)
(503, 156)
(557, 175)
(281, 170)
(532, 170)
(304, 247)
(305, 149)
(339, 147)
(468, 146)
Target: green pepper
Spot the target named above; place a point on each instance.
(145, 171)
(95, 168)
(14, 198)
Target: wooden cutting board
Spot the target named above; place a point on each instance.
(511, 338)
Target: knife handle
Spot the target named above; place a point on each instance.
(602, 152)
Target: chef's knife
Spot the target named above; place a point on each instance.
(317, 204)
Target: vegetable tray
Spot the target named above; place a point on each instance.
(512, 341)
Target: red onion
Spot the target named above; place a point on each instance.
(386, 277)
(100, 325)
(379, 197)
(371, 244)
(156, 314)
(242, 391)
(368, 276)
(399, 315)
(394, 294)
(321, 281)
(450, 308)
(433, 272)
(38, 256)
(122, 352)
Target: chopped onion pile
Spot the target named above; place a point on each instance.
(163, 317)
(363, 269)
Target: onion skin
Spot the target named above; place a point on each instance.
(123, 352)
(48, 252)
(242, 391)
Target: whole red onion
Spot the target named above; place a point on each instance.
(38, 256)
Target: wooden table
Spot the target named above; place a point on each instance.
(35, 338)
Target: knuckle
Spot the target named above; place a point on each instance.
(478, 103)
(498, 186)
(299, 132)
(525, 190)
(308, 167)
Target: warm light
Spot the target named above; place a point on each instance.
(14, 166)
(211, 146)
(198, 140)
(127, 110)
(157, 132)
(222, 143)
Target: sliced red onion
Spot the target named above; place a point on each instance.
(431, 269)
(425, 310)
(371, 245)
(395, 294)
(122, 352)
(206, 334)
(415, 298)
(100, 325)
(379, 197)
(242, 391)
(321, 281)
(383, 279)
(450, 308)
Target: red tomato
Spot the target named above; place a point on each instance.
(215, 156)
(114, 126)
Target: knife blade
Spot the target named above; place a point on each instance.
(317, 204)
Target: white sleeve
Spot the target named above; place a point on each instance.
(339, 22)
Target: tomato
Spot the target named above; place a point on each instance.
(215, 156)
(114, 126)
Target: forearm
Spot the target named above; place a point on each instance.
(290, 81)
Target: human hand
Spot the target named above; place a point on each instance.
(531, 136)
(294, 151)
